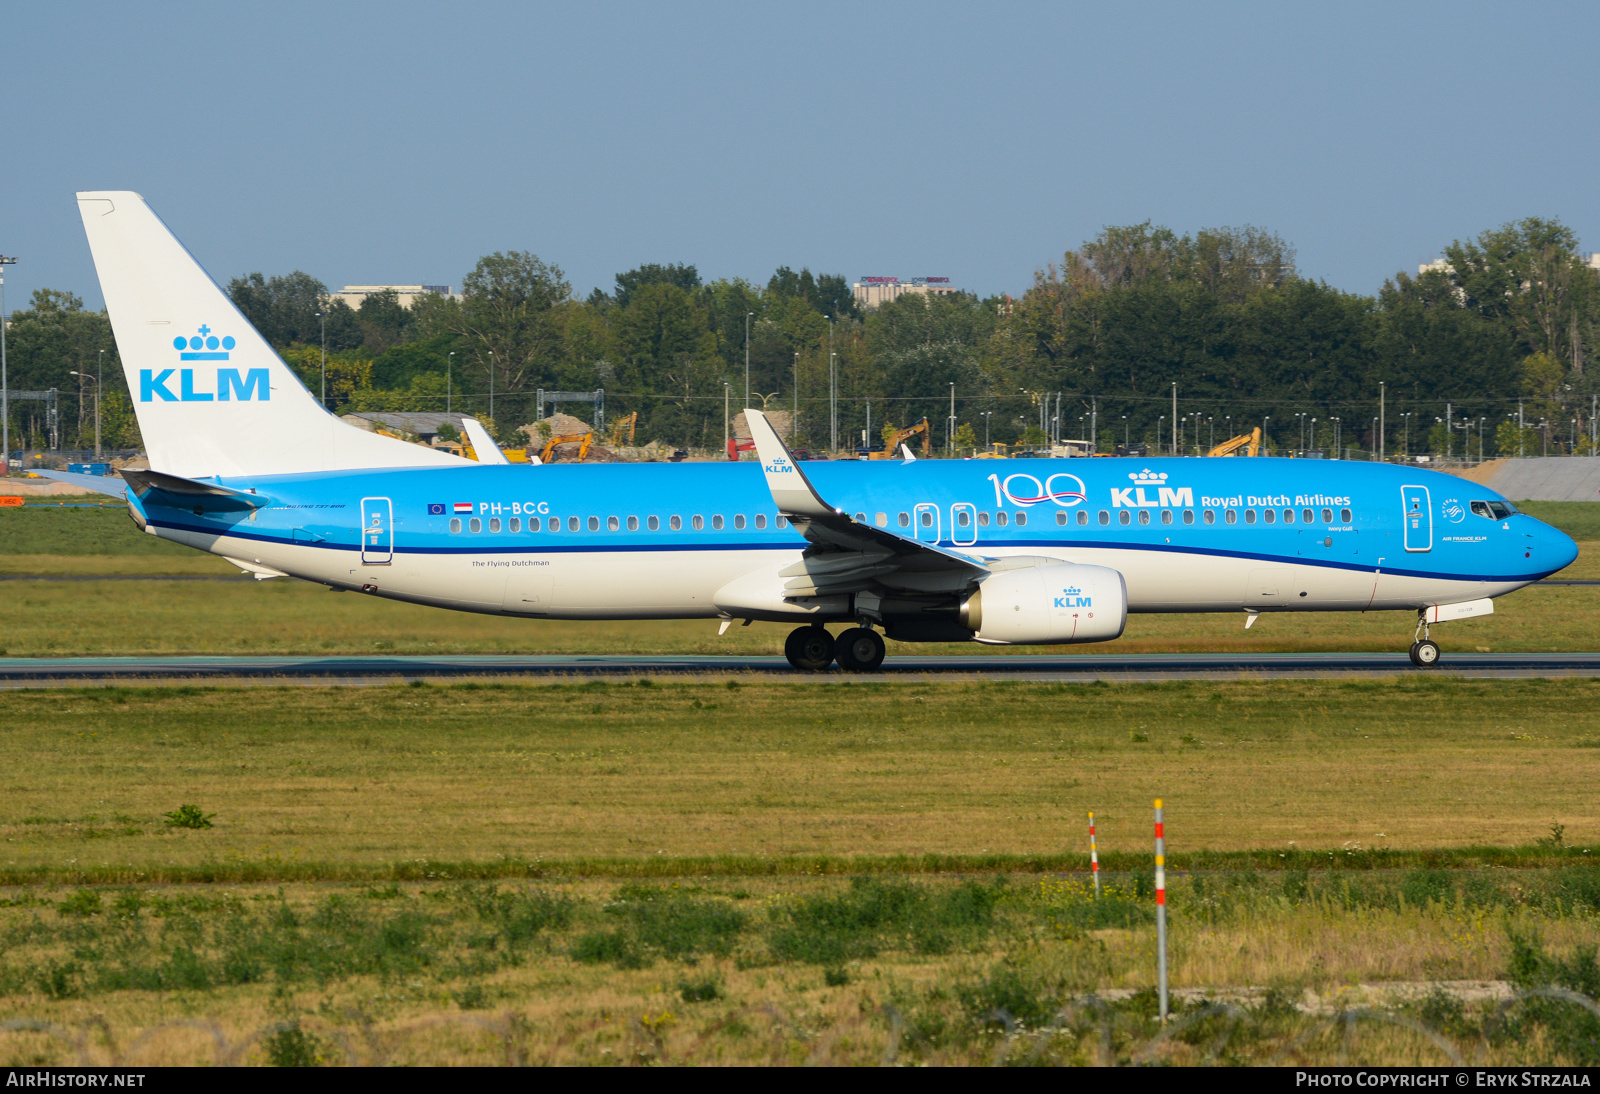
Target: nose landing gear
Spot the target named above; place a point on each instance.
(1424, 651)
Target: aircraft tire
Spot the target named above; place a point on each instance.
(809, 649)
(859, 649)
(1425, 655)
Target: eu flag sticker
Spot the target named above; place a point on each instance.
(436, 509)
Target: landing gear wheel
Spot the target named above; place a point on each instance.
(859, 650)
(809, 649)
(1425, 654)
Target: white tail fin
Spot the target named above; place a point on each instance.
(211, 396)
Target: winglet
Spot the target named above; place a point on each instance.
(792, 492)
(905, 454)
(482, 444)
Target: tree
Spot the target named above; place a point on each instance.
(283, 309)
(507, 320)
(685, 277)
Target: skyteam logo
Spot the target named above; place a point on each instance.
(1072, 597)
(225, 384)
(1135, 496)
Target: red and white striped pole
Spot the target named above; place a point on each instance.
(1094, 858)
(1161, 910)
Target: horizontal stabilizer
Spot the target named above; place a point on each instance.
(109, 485)
(163, 489)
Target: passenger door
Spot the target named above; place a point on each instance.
(963, 524)
(377, 532)
(1418, 517)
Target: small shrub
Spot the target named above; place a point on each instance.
(836, 977)
(1574, 1030)
(699, 991)
(188, 816)
(1423, 887)
(1556, 838)
(84, 902)
(606, 947)
(472, 997)
(293, 1047)
(1006, 996)
(60, 979)
(1136, 737)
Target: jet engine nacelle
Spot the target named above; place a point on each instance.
(1051, 605)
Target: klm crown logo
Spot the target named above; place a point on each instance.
(1072, 597)
(1148, 477)
(204, 346)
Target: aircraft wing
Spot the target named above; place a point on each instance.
(100, 484)
(482, 443)
(845, 555)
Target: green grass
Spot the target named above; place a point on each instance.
(1579, 519)
(41, 528)
(497, 780)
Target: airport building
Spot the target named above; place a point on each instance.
(869, 292)
(406, 294)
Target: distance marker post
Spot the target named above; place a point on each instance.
(1094, 858)
(1161, 910)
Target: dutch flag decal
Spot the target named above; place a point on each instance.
(463, 507)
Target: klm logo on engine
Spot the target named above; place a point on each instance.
(1074, 598)
(1134, 497)
(225, 384)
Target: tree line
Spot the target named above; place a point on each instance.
(1497, 334)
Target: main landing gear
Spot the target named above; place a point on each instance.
(1424, 651)
(813, 649)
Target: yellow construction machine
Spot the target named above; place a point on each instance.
(1250, 442)
(891, 447)
(623, 429)
(586, 440)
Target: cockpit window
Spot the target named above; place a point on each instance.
(1494, 510)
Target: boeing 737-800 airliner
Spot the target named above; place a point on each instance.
(245, 463)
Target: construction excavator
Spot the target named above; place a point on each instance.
(623, 430)
(586, 440)
(1250, 441)
(891, 446)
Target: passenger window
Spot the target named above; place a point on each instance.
(1288, 516)
(716, 522)
(963, 517)
(1166, 516)
(676, 523)
(455, 525)
(533, 524)
(1061, 516)
(927, 518)
(1344, 516)
(494, 524)
(1249, 516)
(781, 521)
(905, 519)
(516, 524)
(738, 520)
(633, 524)
(476, 525)
(1105, 517)
(1210, 516)
(983, 520)
(1123, 517)
(594, 524)
(1022, 518)
(1144, 516)
(653, 523)
(1307, 516)
(613, 524)
(881, 520)
(1083, 516)
(761, 520)
(1327, 516)
(1269, 515)
(1230, 517)
(1000, 518)
(572, 524)
(1188, 516)
(861, 518)
(699, 522)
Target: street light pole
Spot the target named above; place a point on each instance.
(449, 369)
(5, 392)
(99, 382)
(322, 321)
(833, 394)
(747, 316)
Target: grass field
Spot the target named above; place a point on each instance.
(52, 618)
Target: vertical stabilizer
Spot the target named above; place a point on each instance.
(212, 397)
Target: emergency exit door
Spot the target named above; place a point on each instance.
(1418, 517)
(377, 532)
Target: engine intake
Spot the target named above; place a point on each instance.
(1048, 605)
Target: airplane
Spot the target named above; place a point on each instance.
(245, 463)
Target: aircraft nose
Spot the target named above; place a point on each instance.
(1555, 549)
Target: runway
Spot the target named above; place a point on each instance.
(18, 672)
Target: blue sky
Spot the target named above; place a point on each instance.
(398, 142)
